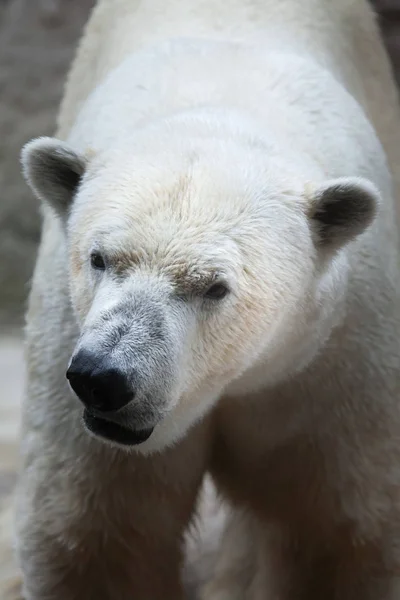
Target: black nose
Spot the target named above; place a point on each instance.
(97, 383)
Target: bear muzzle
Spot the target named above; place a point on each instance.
(98, 384)
(115, 432)
(106, 393)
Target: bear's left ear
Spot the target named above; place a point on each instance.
(341, 209)
(53, 171)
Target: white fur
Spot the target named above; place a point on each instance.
(210, 137)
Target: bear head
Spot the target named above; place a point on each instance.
(193, 266)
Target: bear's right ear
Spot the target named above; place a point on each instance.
(53, 171)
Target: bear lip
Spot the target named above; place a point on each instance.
(114, 432)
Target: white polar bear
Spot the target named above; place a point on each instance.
(219, 271)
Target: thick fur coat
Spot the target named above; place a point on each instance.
(220, 243)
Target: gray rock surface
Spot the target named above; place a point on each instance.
(37, 42)
(389, 11)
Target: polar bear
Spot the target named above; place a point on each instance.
(217, 287)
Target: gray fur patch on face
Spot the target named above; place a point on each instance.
(137, 336)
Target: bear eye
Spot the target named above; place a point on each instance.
(216, 292)
(97, 261)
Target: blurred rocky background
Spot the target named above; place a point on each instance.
(389, 14)
(37, 42)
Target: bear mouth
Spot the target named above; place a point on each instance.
(114, 432)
